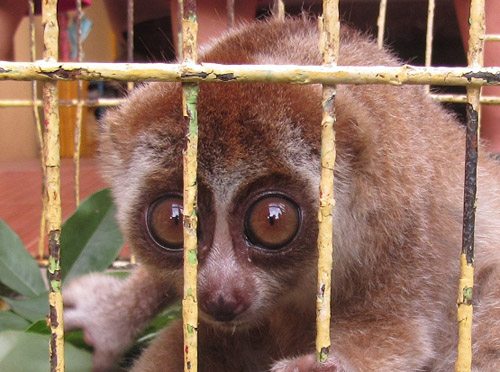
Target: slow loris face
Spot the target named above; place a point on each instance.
(257, 182)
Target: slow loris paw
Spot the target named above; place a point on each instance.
(93, 304)
(307, 363)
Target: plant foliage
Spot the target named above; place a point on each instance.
(90, 241)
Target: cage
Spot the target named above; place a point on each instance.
(50, 70)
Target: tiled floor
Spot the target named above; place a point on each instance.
(20, 194)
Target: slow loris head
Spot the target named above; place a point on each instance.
(258, 175)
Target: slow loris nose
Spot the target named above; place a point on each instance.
(225, 289)
(222, 306)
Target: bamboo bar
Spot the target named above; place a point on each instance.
(52, 188)
(462, 98)
(381, 23)
(428, 36)
(110, 102)
(38, 124)
(464, 301)
(79, 106)
(279, 9)
(429, 33)
(179, 15)
(230, 13)
(329, 45)
(189, 100)
(130, 38)
(492, 37)
(211, 72)
(101, 102)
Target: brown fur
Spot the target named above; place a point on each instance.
(397, 222)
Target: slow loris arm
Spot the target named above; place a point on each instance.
(112, 312)
(383, 345)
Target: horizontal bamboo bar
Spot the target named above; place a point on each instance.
(462, 98)
(102, 102)
(107, 102)
(210, 72)
(492, 37)
(118, 265)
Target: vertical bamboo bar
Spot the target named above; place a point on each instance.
(53, 186)
(279, 9)
(39, 128)
(381, 23)
(179, 15)
(429, 35)
(189, 99)
(79, 106)
(130, 58)
(230, 13)
(329, 45)
(130, 37)
(464, 301)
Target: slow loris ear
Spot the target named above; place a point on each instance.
(140, 120)
(109, 144)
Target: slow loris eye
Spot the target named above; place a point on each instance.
(164, 222)
(272, 222)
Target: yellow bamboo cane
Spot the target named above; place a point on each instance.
(53, 187)
(464, 301)
(189, 98)
(329, 45)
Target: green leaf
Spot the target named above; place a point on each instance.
(165, 317)
(39, 327)
(21, 352)
(160, 322)
(18, 270)
(9, 320)
(6, 291)
(120, 274)
(76, 339)
(33, 309)
(91, 238)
